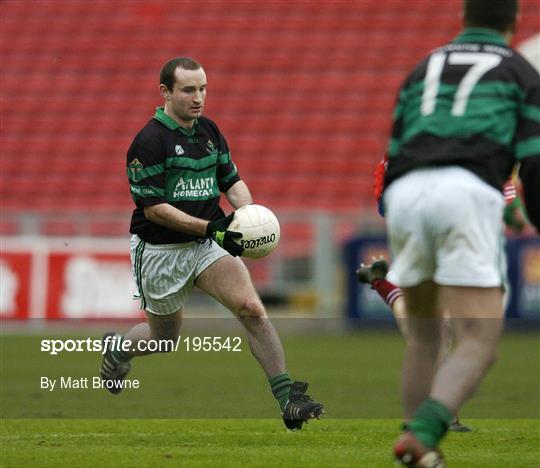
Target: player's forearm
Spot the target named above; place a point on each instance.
(239, 195)
(173, 218)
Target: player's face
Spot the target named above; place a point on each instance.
(186, 100)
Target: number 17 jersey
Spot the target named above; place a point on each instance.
(473, 103)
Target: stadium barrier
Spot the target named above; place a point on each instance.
(90, 278)
(78, 273)
(44, 278)
(82, 277)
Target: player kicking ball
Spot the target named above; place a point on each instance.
(177, 167)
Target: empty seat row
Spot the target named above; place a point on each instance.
(303, 91)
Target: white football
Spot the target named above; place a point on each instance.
(259, 228)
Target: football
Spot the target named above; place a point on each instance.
(259, 228)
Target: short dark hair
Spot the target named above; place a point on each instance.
(493, 14)
(166, 75)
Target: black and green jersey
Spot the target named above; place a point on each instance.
(473, 103)
(187, 169)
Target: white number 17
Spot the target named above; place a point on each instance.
(480, 63)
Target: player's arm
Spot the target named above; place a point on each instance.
(228, 178)
(378, 183)
(512, 214)
(173, 218)
(239, 195)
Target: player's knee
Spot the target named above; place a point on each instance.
(250, 309)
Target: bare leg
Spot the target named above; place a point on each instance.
(156, 327)
(423, 325)
(447, 332)
(228, 281)
(477, 322)
(400, 314)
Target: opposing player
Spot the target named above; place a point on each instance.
(465, 116)
(177, 166)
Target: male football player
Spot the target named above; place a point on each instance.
(177, 166)
(465, 116)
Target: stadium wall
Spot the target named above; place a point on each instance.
(90, 278)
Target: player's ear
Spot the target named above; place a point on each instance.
(164, 92)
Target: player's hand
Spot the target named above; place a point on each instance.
(217, 230)
(513, 216)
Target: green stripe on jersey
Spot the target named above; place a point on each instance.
(393, 147)
(489, 117)
(528, 147)
(188, 163)
(490, 110)
(229, 176)
(143, 173)
(224, 158)
(530, 112)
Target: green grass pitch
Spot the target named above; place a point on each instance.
(215, 409)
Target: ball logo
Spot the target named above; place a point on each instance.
(252, 243)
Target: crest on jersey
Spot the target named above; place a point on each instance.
(210, 146)
(179, 150)
(134, 167)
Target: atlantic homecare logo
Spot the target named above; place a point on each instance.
(196, 187)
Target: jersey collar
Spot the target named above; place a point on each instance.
(172, 124)
(480, 35)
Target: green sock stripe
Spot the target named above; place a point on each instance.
(118, 354)
(282, 395)
(281, 388)
(430, 422)
(278, 390)
(278, 379)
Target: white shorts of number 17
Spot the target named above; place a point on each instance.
(445, 225)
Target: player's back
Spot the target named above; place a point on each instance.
(466, 104)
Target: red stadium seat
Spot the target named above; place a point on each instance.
(304, 92)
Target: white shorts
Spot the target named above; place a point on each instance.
(445, 225)
(165, 274)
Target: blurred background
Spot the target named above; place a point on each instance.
(304, 93)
